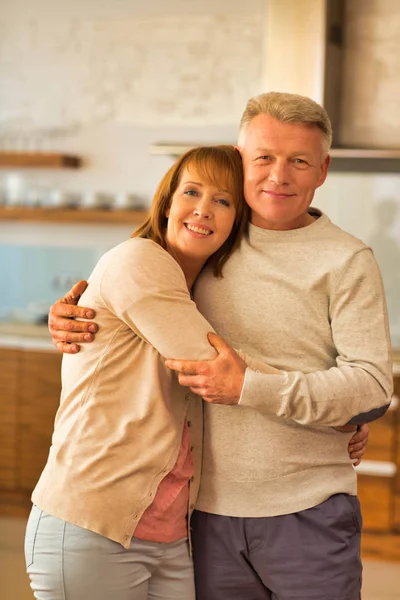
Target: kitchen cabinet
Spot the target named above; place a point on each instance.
(9, 367)
(379, 472)
(30, 386)
(396, 507)
(39, 398)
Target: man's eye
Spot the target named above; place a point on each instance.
(300, 161)
(264, 157)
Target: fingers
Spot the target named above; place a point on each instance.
(62, 309)
(358, 444)
(199, 391)
(61, 325)
(363, 430)
(186, 367)
(218, 342)
(361, 437)
(73, 295)
(357, 448)
(192, 380)
(72, 338)
(357, 456)
(67, 348)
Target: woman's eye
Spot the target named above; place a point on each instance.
(223, 201)
(191, 192)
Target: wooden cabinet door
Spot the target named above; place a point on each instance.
(9, 364)
(396, 517)
(378, 474)
(40, 387)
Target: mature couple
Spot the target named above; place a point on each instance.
(301, 305)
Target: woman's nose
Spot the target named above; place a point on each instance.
(203, 209)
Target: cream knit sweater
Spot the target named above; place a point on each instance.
(310, 302)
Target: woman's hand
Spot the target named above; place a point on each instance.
(358, 443)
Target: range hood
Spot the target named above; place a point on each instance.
(303, 54)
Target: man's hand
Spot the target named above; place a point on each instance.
(217, 381)
(65, 331)
(358, 444)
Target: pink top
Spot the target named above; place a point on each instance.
(165, 520)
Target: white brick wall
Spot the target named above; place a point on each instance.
(371, 94)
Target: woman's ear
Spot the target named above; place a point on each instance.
(167, 212)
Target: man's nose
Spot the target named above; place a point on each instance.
(278, 173)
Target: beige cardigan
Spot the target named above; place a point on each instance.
(119, 425)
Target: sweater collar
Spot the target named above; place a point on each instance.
(259, 235)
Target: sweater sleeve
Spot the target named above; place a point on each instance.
(359, 388)
(146, 289)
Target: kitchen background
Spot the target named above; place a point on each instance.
(123, 86)
(107, 81)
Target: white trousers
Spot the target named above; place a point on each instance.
(65, 562)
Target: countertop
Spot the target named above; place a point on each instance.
(37, 337)
(25, 336)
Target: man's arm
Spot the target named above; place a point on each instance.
(356, 391)
(67, 333)
(223, 378)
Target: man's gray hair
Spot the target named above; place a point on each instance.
(288, 108)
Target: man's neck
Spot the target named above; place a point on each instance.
(302, 221)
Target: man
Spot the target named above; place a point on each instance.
(277, 515)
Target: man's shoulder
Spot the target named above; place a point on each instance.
(343, 239)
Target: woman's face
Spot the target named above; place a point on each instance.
(200, 218)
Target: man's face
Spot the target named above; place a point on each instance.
(283, 166)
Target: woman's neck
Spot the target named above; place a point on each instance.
(190, 266)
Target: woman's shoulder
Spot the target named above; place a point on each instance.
(141, 259)
(139, 249)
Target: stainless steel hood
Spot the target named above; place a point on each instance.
(303, 53)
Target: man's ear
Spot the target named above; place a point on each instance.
(324, 170)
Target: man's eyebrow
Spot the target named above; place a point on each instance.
(295, 153)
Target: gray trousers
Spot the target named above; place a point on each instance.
(310, 555)
(65, 562)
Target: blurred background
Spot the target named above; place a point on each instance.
(97, 99)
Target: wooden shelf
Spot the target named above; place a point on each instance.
(64, 215)
(38, 160)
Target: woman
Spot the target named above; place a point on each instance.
(111, 508)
